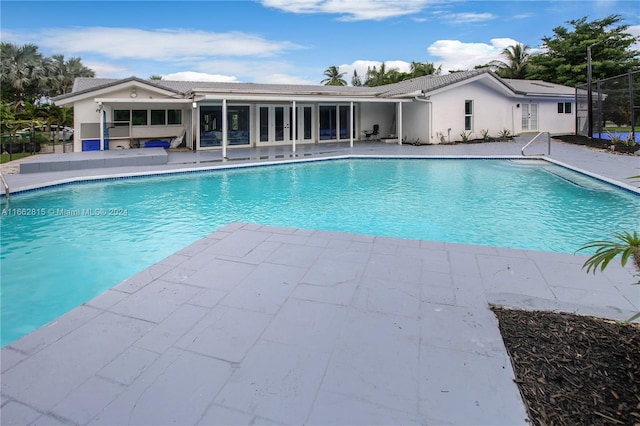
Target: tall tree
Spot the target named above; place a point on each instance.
(334, 77)
(23, 72)
(61, 73)
(380, 76)
(565, 59)
(516, 64)
(27, 75)
(355, 80)
(420, 69)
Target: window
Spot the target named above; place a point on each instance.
(158, 117)
(307, 122)
(139, 117)
(174, 116)
(564, 107)
(468, 115)
(121, 117)
(327, 122)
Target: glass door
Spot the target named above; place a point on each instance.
(274, 124)
(529, 117)
(304, 123)
(281, 125)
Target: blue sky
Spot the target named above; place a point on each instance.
(287, 41)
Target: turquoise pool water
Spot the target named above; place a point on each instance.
(73, 242)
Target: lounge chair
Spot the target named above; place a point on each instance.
(374, 132)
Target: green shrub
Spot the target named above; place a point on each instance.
(465, 136)
(505, 134)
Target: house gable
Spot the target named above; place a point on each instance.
(131, 88)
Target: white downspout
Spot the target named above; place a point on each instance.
(399, 123)
(101, 112)
(294, 126)
(224, 129)
(351, 124)
(430, 115)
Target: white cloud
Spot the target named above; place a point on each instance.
(199, 76)
(466, 18)
(263, 71)
(285, 79)
(158, 45)
(456, 55)
(109, 70)
(360, 10)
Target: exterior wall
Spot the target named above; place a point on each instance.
(85, 111)
(87, 118)
(416, 122)
(552, 121)
(492, 110)
(382, 114)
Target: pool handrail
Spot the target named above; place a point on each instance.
(6, 187)
(534, 138)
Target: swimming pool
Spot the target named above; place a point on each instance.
(75, 241)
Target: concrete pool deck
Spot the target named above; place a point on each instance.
(264, 325)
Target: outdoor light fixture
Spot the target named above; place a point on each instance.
(194, 105)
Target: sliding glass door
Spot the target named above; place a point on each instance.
(238, 125)
(335, 122)
(275, 123)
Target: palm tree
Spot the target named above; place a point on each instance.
(334, 77)
(419, 69)
(62, 73)
(355, 80)
(376, 77)
(516, 64)
(155, 77)
(23, 72)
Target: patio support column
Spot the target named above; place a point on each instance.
(351, 124)
(224, 129)
(399, 124)
(294, 126)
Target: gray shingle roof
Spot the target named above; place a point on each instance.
(424, 84)
(538, 87)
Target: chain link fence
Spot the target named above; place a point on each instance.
(615, 108)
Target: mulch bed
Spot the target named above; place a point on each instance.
(597, 143)
(572, 369)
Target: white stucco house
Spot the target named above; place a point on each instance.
(133, 112)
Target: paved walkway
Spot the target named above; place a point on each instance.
(264, 325)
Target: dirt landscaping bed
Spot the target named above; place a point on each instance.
(598, 143)
(572, 369)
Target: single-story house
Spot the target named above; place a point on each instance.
(133, 112)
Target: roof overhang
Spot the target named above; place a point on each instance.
(141, 101)
(290, 98)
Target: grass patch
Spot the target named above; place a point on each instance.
(4, 158)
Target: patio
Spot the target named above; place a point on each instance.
(264, 325)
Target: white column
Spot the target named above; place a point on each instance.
(399, 124)
(351, 124)
(294, 126)
(101, 112)
(224, 129)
